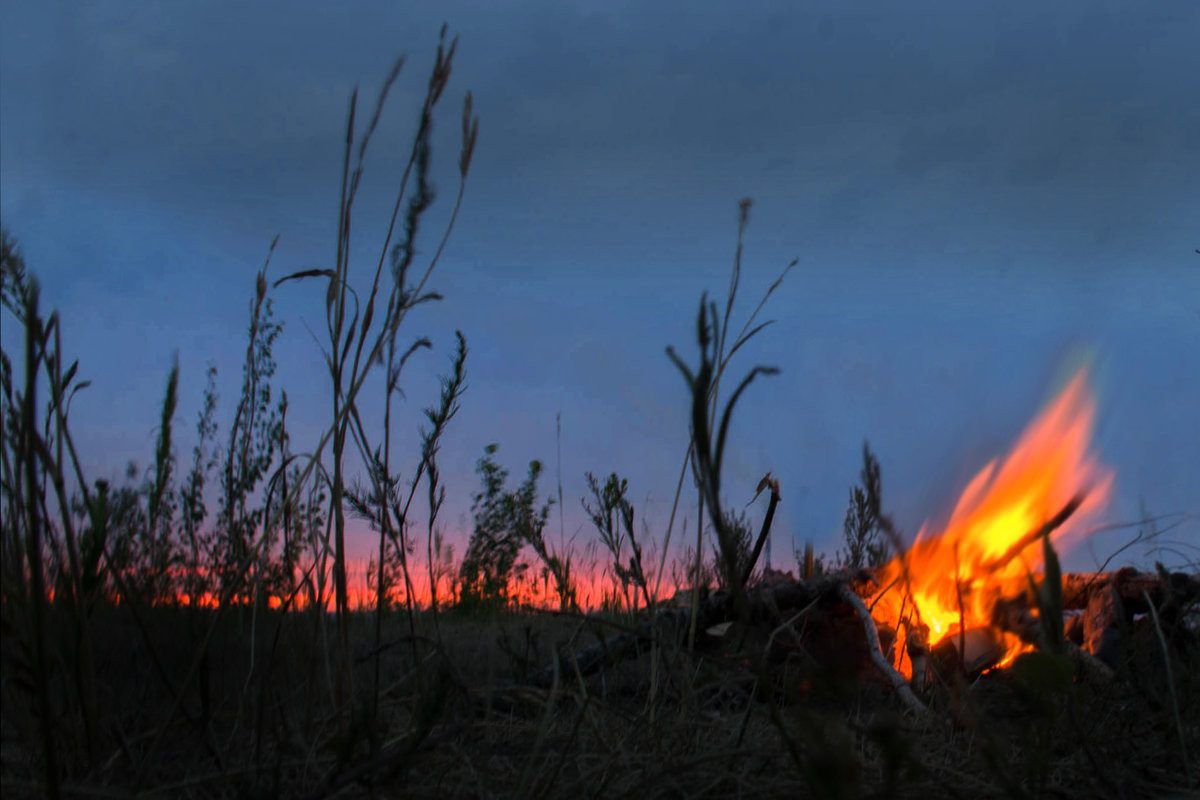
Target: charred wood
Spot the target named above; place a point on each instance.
(1101, 624)
(1165, 589)
(1015, 617)
(1106, 598)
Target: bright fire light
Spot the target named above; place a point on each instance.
(986, 553)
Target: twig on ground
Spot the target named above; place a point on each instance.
(848, 595)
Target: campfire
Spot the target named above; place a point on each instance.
(953, 587)
(964, 597)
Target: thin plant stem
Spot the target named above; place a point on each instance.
(1162, 643)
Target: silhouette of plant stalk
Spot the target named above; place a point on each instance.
(348, 357)
(452, 389)
(709, 452)
(613, 518)
(718, 352)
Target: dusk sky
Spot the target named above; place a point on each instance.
(981, 197)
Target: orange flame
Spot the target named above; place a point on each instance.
(952, 580)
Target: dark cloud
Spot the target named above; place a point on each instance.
(973, 194)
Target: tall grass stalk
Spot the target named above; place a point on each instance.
(34, 339)
(348, 358)
(722, 353)
(252, 434)
(438, 417)
(1166, 653)
(77, 571)
(710, 451)
(84, 669)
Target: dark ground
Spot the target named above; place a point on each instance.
(471, 717)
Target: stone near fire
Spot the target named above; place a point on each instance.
(982, 649)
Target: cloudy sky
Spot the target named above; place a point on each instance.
(981, 196)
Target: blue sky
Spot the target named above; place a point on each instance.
(980, 196)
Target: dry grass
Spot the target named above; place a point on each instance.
(113, 687)
(802, 722)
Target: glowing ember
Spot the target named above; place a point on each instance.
(986, 551)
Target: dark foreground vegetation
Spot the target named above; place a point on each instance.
(191, 633)
(476, 716)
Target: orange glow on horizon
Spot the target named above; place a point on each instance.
(948, 580)
(528, 588)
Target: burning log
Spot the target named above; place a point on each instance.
(1128, 586)
(916, 644)
(1104, 596)
(1014, 616)
(1101, 636)
(970, 653)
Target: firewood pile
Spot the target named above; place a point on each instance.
(827, 618)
